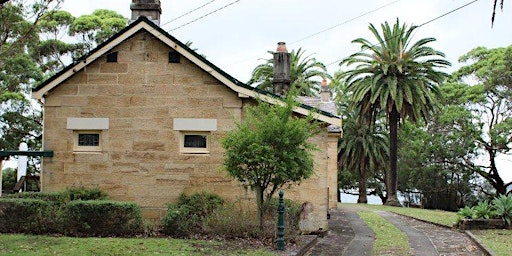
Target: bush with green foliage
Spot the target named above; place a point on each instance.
(466, 213)
(103, 218)
(502, 206)
(271, 149)
(31, 216)
(63, 197)
(54, 197)
(483, 210)
(234, 220)
(9, 179)
(188, 214)
(48, 212)
(81, 193)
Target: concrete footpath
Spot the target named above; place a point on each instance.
(348, 235)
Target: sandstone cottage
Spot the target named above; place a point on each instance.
(142, 115)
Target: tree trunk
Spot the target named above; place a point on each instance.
(259, 203)
(496, 180)
(392, 177)
(362, 183)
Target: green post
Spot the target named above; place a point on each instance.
(280, 222)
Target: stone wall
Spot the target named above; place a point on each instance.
(140, 161)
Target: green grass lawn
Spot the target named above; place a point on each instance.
(47, 245)
(435, 216)
(389, 239)
(498, 240)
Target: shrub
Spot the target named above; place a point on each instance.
(82, 193)
(188, 214)
(232, 221)
(502, 206)
(235, 221)
(32, 216)
(63, 197)
(54, 197)
(291, 218)
(483, 210)
(466, 213)
(103, 218)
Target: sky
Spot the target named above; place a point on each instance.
(235, 35)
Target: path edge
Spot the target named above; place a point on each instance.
(477, 241)
(468, 233)
(310, 242)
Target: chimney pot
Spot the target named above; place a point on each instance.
(325, 92)
(281, 47)
(324, 83)
(148, 8)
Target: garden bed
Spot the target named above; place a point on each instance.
(469, 224)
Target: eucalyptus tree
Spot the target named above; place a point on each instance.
(397, 77)
(19, 32)
(487, 79)
(305, 71)
(33, 47)
(93, 29)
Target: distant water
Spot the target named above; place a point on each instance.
(349, 198)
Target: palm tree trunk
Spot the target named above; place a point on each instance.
(392, 177)
(362, 183)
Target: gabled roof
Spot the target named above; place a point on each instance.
(143, 23)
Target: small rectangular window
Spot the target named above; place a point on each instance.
(195, 142)
(174, 57)
(87, 141)
(112, 57)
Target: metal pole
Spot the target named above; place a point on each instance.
(280, 222)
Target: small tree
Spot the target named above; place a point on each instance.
(270, 149)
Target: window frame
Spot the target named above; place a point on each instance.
(194, 150)
(77, 148)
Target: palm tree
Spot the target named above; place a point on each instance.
(306, 74)
(364, 148)
(397, 77)
(494, 10)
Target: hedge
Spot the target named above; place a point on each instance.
(103, 218)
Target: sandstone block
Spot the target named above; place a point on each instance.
(73, 101)
(66, 89)
(102, 78)
(108, 101)
(113, 67)
(79, 77)
(148, 146)
(159, 79)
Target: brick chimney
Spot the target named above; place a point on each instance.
(325, 91)
(148, 8)
(282, 80)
